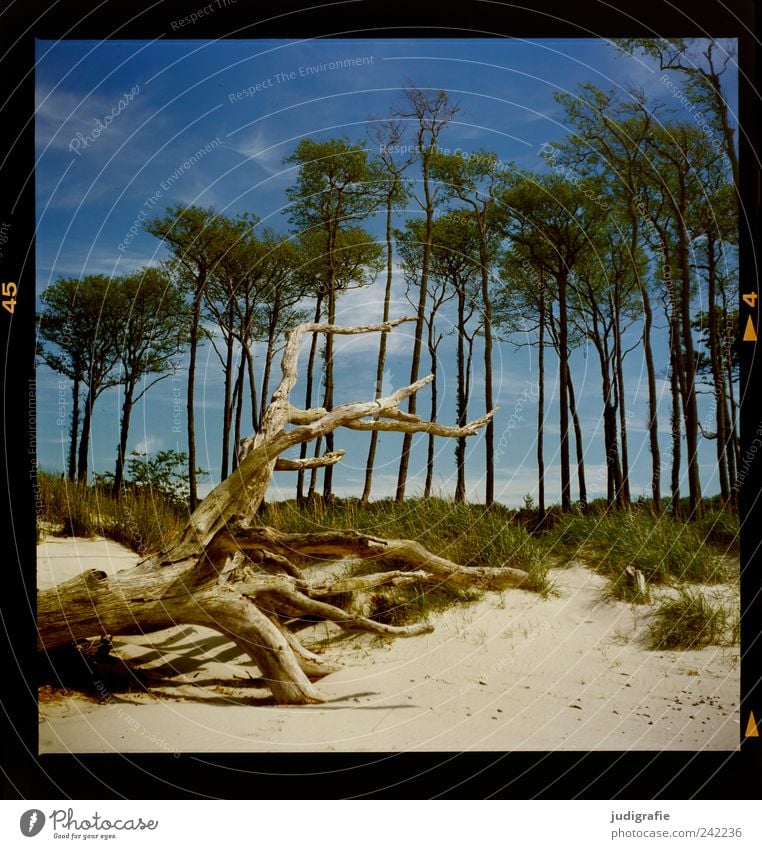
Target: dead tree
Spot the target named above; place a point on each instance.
(251, 583)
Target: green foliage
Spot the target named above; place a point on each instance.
(662, 548)
(464, 533)
(692, 621)
(164, 474)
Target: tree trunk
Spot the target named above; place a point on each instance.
(84, 441)
(308, 395)
(541, 409)
(381, 362)
(74, 433)
(676, 414)
(227, 409)
(430, 449)
(415, 364)
(653, 401)
(328, 401)
(619, 365)
(462, 402)
(252, 387)
(489, 435)
(196, 580)
(124, 430)
(238, 399)
(563, 394)
(580, 447)
(689, 364)
(195, 322)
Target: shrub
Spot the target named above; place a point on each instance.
(691, 621)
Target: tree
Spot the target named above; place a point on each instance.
(429, 114)
(81, 320)
(201, 579)
(197, 238)
(702, 70)
(387, 135)
(609, 146)
(479, 182)
(355, 261)
(152, 332)
(336, 186)
(553, 219)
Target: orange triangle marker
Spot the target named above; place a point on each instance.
(750, 334)
(751, 727)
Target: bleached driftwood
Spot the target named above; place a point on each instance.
(200, 579)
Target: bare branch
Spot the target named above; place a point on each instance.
(284, 464)
(420, 426)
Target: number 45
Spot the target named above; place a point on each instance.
(9, 291)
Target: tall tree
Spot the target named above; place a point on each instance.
(608, 144)
(429, 114)
(153, 331)
(196, 238)
(81, 319)
(552, 219)
(336, 187)
(479, 181)
(388, 135)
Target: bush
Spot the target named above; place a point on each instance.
(691, 621)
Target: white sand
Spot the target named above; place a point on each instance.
(513, 671)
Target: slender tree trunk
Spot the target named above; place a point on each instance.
(227, 410)
(124, 430)
(579, 445)
(308, 395)
(74, 433)
(195, 322)
(676, 414)
(462, 403)
(718, 379)
(267, 372)
(489, 433)
(619, 364)
(653, 400)
(563, 353)
(238, 396)
(541, 410)
(430, 450)
(84, 441)
(328, 402)
(689, 399)
(381, 362)
(415, 364)
(252, 386)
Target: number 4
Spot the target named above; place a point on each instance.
(750, 299)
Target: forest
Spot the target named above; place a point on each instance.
(631, 228)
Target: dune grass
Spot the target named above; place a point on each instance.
(141, 519)
(691, 620)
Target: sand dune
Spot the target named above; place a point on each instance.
(513, 671)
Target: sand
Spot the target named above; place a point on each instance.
(512, 671)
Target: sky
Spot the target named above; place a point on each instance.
(125, 129)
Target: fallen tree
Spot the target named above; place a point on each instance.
(250, 582)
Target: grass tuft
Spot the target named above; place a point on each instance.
(691, 621)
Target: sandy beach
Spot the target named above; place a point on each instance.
(512, 671)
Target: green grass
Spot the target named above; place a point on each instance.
(464, 533)
(140, 519)
(691, 621)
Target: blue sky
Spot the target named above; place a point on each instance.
(116, 120)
